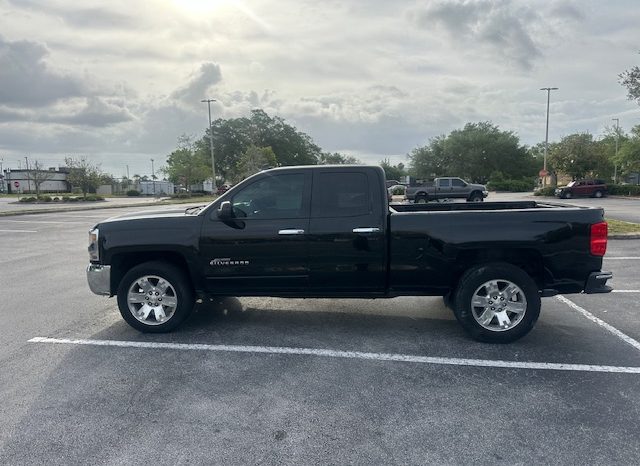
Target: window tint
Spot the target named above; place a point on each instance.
(341, 195)
(278, 196)
(443, 183)
(458, 183)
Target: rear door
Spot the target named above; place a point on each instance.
(347, 246)
(459, 188)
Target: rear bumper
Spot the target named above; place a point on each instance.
(99, 278)
(597, 283)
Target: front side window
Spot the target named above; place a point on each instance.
(458, 183)
(277, 196)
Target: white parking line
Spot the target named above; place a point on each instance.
(345, 354)
(629, 258)
(18, 231)
(625, 291)
(624, 337)
(44, 221)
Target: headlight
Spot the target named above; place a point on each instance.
(94, 250)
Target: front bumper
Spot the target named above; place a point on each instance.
(99, 278)
(596, 283)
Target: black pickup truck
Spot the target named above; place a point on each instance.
(328, 231)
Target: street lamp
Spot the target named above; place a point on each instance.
(213, 162)
(615, 162)
(546, 138)
(153, 177)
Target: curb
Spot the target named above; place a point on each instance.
(624, 236)
(9, 213)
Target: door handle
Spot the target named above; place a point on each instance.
(291, 231)
(366, 230)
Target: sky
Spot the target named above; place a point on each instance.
(118, 82)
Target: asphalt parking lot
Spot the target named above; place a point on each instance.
(289, 381)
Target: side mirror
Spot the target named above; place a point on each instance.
(225, 211)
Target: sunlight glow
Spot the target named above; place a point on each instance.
(203, 6)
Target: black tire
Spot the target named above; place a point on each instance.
(598, 194)
(421, 198)
(448, 300)
(475, 197)
(179, 289)
(567, 195)
(526, 297)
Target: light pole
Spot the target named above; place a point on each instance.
(546, 137)
(615, 162)
(153, 177)
(213, 162)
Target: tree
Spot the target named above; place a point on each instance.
(37, 174)
(187, 164)
(474, 153)
(83, 174)
(232, 137)
(253, 160)
(631, 80)
(392, 172)
(336, 158)
(629, 153)
(579, 155)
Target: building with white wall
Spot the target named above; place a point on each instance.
(21, 182)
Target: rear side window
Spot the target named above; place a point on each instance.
(443, 183)
(341, 195)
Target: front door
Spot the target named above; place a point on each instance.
(263, 249)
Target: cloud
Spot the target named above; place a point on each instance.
(27, 80)
(505, 27)
(196, 89)
(76, 16)
(96, 112)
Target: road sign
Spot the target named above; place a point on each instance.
(16, 184)
(542, 173)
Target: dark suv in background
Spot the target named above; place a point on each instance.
(591, 188)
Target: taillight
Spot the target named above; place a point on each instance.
(598, 240)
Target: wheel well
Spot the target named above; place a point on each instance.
(528, 260)
(122, 263)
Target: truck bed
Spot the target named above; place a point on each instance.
(455, 206)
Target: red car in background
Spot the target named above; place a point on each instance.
(581, 188)
(223, 188)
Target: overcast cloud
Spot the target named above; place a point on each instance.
(120, 81)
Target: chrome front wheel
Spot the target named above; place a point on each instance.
(155, 296)
(152, 300)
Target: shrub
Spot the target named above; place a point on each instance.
(93, 198)
(548, 191)
(181, 196)
(133, 192)
(398, 190)
(45, 198)
(510, 185)
(624, 189)
(27, 199)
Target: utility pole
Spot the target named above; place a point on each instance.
(546, 137)
(213, 162)
(26, 161)
(153, 177)
(615, 162)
